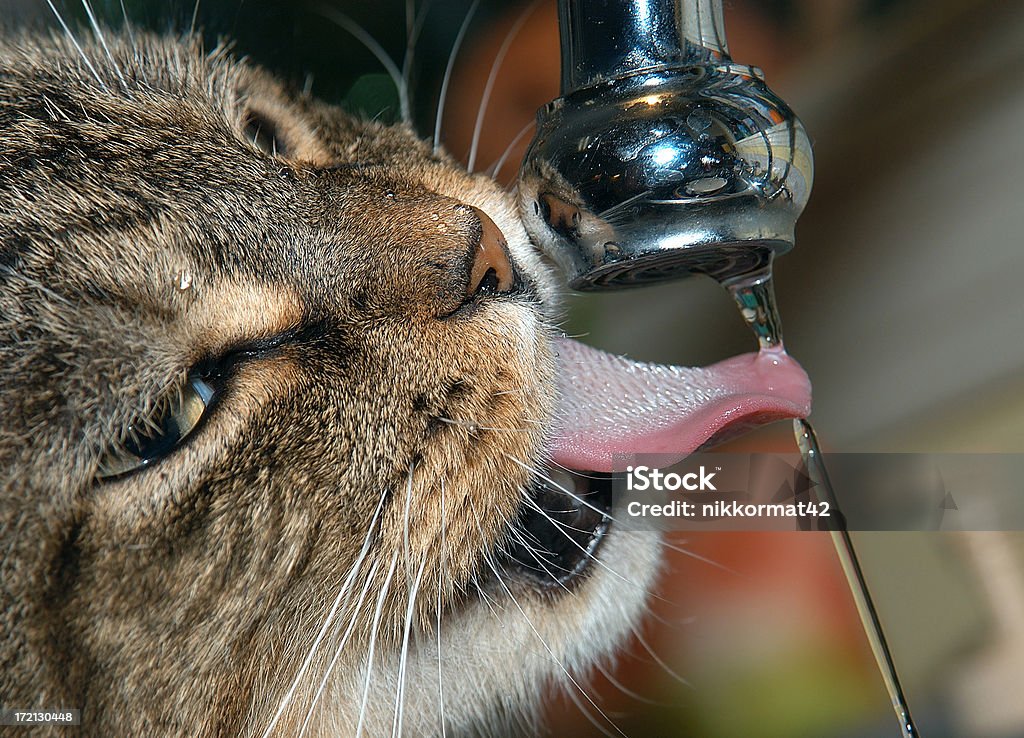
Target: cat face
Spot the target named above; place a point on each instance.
(279, 386)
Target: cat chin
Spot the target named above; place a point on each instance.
(500, 658)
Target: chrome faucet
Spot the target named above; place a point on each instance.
(662, 157)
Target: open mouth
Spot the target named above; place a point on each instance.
(612, 409)
(560, 527)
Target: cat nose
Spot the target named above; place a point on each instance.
(491, 271)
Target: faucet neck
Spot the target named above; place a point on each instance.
(605, 39)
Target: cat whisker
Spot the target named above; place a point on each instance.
(410, 14)
(516, 391)
(697, 557)
(440, 589)
(536, 554)
(413, 27)
(588, 715)
(579, 499)
(576, 336)
(405, 518)
(486, 557)
(559, 487)
(396, 727)
(607, 674)
(332, 613)
(384, 590)
(492, 171)
(353, 619)
(78, 47)
(489, 86)
(195, 17)
(474, 427)
(373, 46)
(544, 643)
(522, 535)
(103, 42)
(140, 67)
(671, 623)
(561, 528)
(488, 601)
(448, 73)
(54, 110)
(128, 26)
(658, 660)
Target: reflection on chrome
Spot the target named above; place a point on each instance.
(662, 157)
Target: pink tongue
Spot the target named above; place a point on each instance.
(611, 406)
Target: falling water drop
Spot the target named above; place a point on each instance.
(755, 296)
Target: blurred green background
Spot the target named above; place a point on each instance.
(902, 300)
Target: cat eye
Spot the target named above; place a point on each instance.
(263, 134)
(156, 435)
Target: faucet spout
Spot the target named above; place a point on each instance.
(662, 157)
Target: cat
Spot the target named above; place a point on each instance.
(284, 412)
